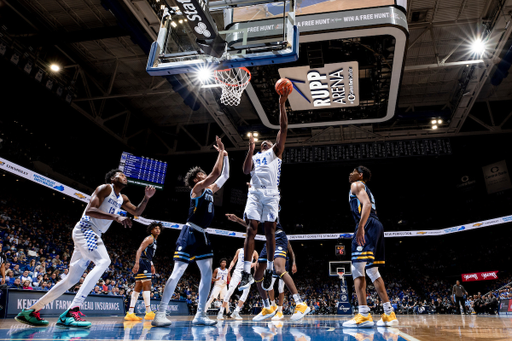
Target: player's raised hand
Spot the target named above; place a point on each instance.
(251, 139)
(231, 217)
(284, 96)
(125, 221)
(220, 145)
(150, 191)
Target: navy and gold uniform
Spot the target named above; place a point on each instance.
(145, 262)
(281, 244)
(373, 250)
(193, 243)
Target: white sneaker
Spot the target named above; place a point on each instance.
(220, 317)
(202, 320)
(265, 314)
(236, 315)
(278, 316)
(160, 320)
(301, 310)
(359, 321)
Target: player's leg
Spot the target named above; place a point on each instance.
(130, 315)
(205, 267)
(146, 295)
(267, 311)
(239, 306)
(77, 266)
(180, 265)
(269, 216)
(252, 216)
(301, 308)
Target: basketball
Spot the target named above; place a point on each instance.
(284, 85)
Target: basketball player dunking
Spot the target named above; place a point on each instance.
(101, 210)
(367, 251)
(235, 279)
(193, 243)
(221, 277)
(144, 271)
(263, 198)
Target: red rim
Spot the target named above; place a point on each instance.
(234, 85)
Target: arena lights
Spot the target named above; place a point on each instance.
(55, 67)
(173, 24)
(478, 47)
(180, 21)
(434, 127)
(435, 123)
(204, 74)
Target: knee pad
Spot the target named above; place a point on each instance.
(357, 269)
(373, 273)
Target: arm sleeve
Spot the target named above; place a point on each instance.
(225, 173)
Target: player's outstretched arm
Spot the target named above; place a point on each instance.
(145, 243)
(137, 210)
(233, 261)
(224, 175)
(248, 158)
(283, 125)
(216, 171)
(358, 190)
(236, 219)
(93, 210)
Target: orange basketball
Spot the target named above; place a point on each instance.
(284, 85)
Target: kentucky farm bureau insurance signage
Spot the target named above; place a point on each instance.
(332, 86)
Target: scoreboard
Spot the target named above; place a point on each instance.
(143, 171)
(365, 151)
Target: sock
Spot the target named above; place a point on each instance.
(147, 300)
(273, 303)
(388, 308)
(266, 303)
(280, 308)
(237, 309)
(270, 265)
(247, 266)
(133, 302)
(297, 299)
(364, 310)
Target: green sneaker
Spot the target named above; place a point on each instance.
(71, 318)
(31, 317)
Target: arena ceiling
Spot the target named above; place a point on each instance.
(103, 45)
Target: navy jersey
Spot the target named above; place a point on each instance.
(149, 251)
(201, 209)
(357, 207)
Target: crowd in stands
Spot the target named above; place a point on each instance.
(37, 247)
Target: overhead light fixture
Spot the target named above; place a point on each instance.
(434, 121)
(55, 67)
(204, 74)
(439, 121)
(434, 127)
(255, 134)
(162, 7)
(478, 46)
(248, 134)
(181, 21)
(255, 139)
(173, 24)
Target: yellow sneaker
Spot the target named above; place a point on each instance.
(387, 320)
(149, 316)
(132, 317)
(278, 316)
(301, 310)
(359, 321)
(265, 314)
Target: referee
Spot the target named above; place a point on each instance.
(458, 293)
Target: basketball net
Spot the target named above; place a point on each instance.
(233, 83)
(341, 275)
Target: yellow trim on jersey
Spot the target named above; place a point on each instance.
(379, 262)
(366, 257)
(367, 253)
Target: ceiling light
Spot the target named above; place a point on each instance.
(439, 121)
(54, 67)
(248, 134)
(255, 134)
(162, 7)
(255, 139)
(434, 121)
(434, 127)
(204, 74)
(181, 21)
(173, 24)
(478, 46)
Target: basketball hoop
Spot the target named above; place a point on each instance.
(341, 275)
(233, 83)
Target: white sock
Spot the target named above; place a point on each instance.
(364, 310)
(297, 299)
(270, 265)
(280, 308)
(205, 267)
(133, 302)
(273, 303)
(266, 303)
(237, 309)
(247, 266)
(221, 311)
(147, 300)
(388, 308)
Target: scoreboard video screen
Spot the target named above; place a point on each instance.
(143, 171)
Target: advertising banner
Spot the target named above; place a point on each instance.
(174, 307)
(480, 276)
(94, 305)
(505, 307)
(497, 177)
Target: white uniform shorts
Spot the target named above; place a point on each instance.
(88, 246)
(219, 290)
(262, 205)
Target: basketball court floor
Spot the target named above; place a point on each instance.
(411, 328)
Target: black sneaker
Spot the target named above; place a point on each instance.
(268, 280)
(246, 281)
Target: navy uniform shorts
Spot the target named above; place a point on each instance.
(281, 247)
(373, 250)
(192, 245)
(144, 270)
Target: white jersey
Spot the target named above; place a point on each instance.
(111, 204)
(266, 170)
(239, 267)
(222, 275)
